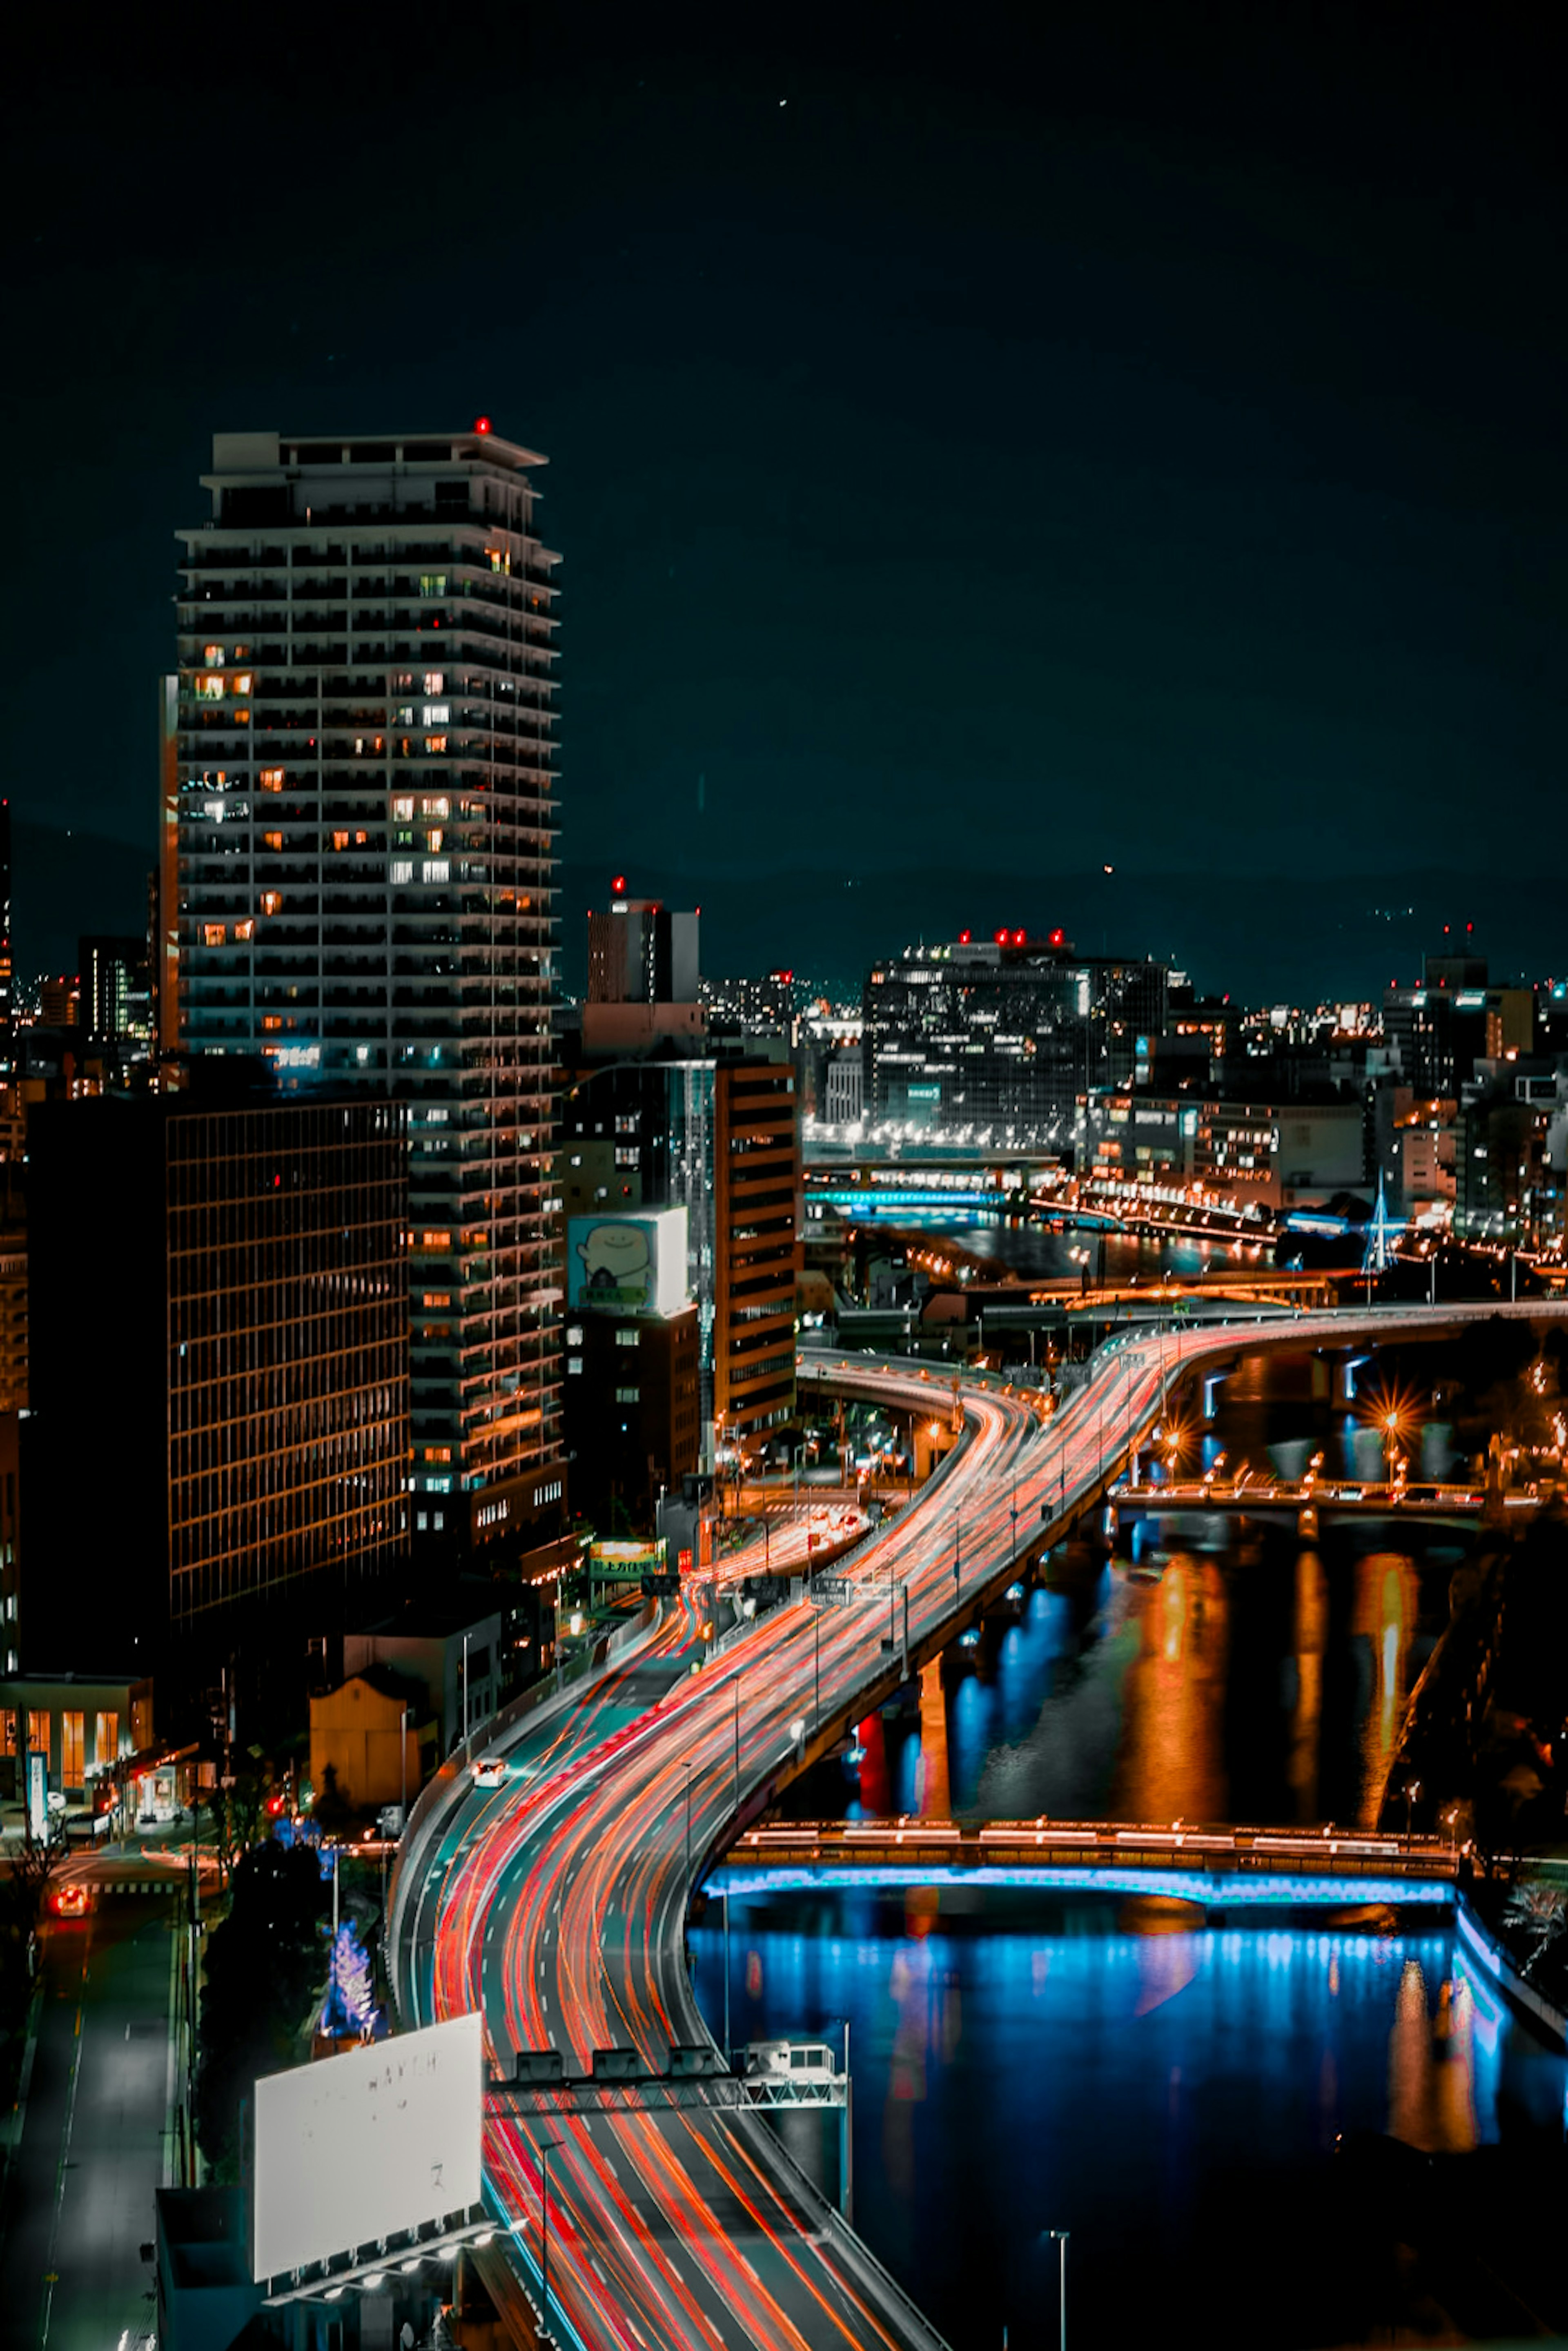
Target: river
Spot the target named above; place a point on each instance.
(1169, 2092)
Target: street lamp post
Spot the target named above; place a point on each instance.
(688, 1768)
(547, 2148)
(1412, 1790)
(1059, 2237)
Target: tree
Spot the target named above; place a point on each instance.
(264, 1967)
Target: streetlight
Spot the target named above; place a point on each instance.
(688, 1768)
(547, 2148)
(1412, 1790)
(1059, 2237)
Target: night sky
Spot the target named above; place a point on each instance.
(982, 445)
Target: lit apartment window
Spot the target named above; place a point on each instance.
(242, 684)
(437, 869)
(245, 931)
(209, 689)
(271, 901)
(435, 681)
(501, 558)
(215, 934)
(402, 806)
(272, 841)
(436, 837)
(435, 805)
(574, 1335)
(271, 1021)
(574, 1365)
(436, 714)
(213, 655)
(433, 583)
(628, 1395)
(436, 743)
(401, 870)
(628, 1338)
(272, 779)
(340, 840)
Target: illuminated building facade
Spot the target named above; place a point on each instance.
(360, 813)
(996, 1040)
(217, 1369)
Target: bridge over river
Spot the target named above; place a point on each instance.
(1221, 1868)
(557, 1902)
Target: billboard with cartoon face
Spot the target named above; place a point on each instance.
(628, 1265)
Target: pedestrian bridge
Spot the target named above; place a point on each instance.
(1219, 1867)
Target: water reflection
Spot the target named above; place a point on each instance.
(1256, 1681)
(1387, 1600)
(1127, 2070)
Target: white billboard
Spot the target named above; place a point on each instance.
(356, 2148)
(634, 1264)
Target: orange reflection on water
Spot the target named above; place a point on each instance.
(1383, 1613)
(936, 1796)
(1174, 1699)
(1311, 1628)
(1431, 2066)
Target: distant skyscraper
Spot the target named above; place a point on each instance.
(641, 953)
(112, 973)
(359, 796)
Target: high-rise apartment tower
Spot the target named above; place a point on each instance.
(359, 803)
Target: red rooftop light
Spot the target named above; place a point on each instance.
(618, 883)
(481, 424)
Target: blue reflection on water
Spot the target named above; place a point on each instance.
(1167, 2092)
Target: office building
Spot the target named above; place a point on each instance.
(216, 1450)
(358, 882)
(721, 1141)
(633, 1387)
(994, 1041)
(639, 952)
(1178, 1148)
(114, 996)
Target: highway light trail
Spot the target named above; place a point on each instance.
(560, 1900)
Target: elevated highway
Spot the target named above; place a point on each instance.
(556, 1904)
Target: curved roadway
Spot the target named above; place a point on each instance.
(557, 1905)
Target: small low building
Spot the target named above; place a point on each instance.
(376, 1736)
(89, 1726)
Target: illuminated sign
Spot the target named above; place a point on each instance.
(364, 2146)
(633, 1264)
(629, 1561)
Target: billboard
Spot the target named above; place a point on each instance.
(357, 2147)
(628, 1265)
